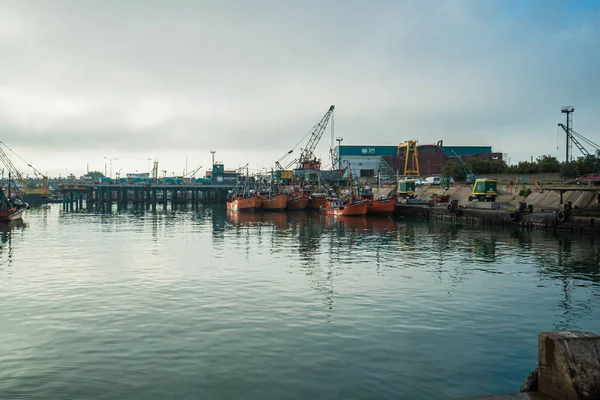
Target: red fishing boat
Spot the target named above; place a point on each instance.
(381, 207)
(338, 207)
(244, 203)
(11, 209)
(297, 202)
(277, 202)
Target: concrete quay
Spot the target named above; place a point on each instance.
(568, 369)
(559, 208)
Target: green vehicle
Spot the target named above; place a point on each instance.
(406, 188)
(484, 190)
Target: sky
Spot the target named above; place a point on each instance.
(83, 81)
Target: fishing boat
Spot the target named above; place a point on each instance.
(298, 201)
(276, 202)
(11, 209)
(244, 199)
(244, 203)
(335, 206)
(316, 201)
(381, 207)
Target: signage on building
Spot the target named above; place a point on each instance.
(368, 150)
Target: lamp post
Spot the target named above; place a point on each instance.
(213, 156)
(110, 160)
(339, 140)
(149, 159)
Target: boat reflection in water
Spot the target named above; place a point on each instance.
(379, 225)
(277, 219)
(8, 226)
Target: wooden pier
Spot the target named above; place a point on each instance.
(74, 196)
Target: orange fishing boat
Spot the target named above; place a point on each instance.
(381, 207)
(297, 202)
(244, 203)
(337, 207)
(316, 201)
(277, 202)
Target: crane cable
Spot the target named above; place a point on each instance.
(35, 171)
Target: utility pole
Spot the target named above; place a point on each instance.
(110, 160)
(339, 140)
(568, 110)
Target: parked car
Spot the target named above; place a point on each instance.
(589, 179)
(432, 180)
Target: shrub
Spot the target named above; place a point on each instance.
(524, 192)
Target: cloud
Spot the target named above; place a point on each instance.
(151, 77)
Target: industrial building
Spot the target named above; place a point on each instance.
(368, 161)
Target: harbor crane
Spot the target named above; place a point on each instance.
(28, 186)
(469, 173)
(577, 138)
(307, 158)
(411, 154)
(192, 173)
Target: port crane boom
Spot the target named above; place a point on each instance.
(14, 171)
(307, 155)
(575, 138)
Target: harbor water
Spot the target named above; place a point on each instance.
(202, 304)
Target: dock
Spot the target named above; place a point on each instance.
(75, 195)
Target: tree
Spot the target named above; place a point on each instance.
(95, 174)
(547, 163)
(454, 169)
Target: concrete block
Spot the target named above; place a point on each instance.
(483, 205)
(569, 365)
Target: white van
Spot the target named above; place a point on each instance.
(432, 180)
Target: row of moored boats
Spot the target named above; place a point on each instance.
(348, 205)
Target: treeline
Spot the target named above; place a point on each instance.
(542, 164)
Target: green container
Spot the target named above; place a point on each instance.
(445, 181)
(406, 187)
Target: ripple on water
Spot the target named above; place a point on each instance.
(199, 304)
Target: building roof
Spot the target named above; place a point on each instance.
(381, 151)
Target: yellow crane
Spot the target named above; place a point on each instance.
(411, 157)
(28, 186)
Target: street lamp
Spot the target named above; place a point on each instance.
(339, 140)
(213, 156)
(110, 160)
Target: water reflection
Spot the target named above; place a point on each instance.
(325, 247)
(7, 230)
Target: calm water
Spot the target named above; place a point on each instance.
(201, 304)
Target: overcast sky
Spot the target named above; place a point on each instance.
(84, 80)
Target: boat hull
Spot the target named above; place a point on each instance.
(355, 209)
(382, 207)
(297, 203)
(244, 204)
(12, 214)
(274, 203)
(316, 202)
